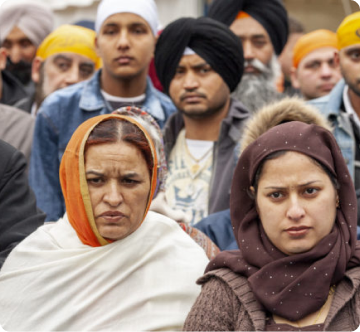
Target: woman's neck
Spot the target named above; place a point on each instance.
(317, 317)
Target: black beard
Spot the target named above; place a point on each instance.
(21, 70)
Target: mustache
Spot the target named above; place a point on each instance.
(191, 94)
(257, 64)
(21, 70)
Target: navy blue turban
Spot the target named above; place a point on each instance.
(271, 14)
(209, 39)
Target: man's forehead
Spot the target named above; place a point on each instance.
(355, 47)
(192, 60)
(70, 56)
(125, 19)
(248, 27)
(320, 54)
(16, 34)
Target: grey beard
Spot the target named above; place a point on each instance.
(257, 90)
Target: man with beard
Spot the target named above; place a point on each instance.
(65, 57)
(342, 105)
(262, 26)
(16, 126)
(199, 62)
(23, 26)
(315, 71)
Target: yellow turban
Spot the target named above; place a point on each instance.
(311, 42)
(70, 38)
(348, 33)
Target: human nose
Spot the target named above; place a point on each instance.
(190, 81)
(72, 76)
(123, 41)
(113, 195)
(15, 54)
(248, 50)
(326, 71)
(295, 211)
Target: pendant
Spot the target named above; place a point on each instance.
(195, 168)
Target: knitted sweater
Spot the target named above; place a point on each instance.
(226, 303)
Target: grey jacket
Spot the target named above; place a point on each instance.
(226, 303)
(17, 129)
(226, 152)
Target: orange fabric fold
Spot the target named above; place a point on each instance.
(311, 42)
(241, 15)
(74, 184)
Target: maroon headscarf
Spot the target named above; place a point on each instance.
(297, 285)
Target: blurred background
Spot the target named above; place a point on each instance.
(314, 14)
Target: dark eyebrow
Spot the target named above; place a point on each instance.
(94, 173)
(201, 65)
(129, 175)
(299, 186)
(62, 57)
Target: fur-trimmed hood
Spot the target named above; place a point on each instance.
(288, 109)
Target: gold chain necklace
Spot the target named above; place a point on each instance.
(196, 166)
(331, 292)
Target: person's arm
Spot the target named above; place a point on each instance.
(214, 309)
(44, 166)
(19, 215)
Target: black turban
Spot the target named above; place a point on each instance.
(271, 14)
(211, 40)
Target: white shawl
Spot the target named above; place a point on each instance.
(51, 281)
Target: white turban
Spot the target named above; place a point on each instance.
(143, 8)
(33, 19)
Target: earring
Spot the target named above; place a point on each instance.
(337, 202)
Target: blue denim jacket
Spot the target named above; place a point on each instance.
(329, 106)
(59, 116)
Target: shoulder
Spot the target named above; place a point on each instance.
(9, 156)
(237, 109)
(169, 232)
(63, 97)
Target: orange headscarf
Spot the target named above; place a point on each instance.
(311, 42)
(74, 185)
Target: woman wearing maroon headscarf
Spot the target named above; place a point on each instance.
(293, 211)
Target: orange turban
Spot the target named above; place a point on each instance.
(311, 42)
(348, 32)
(74, 185)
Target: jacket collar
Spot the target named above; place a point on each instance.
(92, 99)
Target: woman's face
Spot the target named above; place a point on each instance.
(119, 184)
(296, 202)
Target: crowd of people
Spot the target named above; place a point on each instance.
(198, 176)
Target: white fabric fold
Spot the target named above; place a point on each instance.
(51, 281)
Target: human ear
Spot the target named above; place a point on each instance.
(294, 80)
(2, 58)
(35, 69)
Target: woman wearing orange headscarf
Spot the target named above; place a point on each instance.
(109, 264)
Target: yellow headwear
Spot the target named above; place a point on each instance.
(348, 32)
(70, 38)
(311, 42)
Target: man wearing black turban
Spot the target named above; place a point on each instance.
(262, 26)
(199, 62)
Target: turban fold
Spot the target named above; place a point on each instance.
(143, 8)
(70, 38)
(211, 40)
(33, 19)
(348, 32)
(311, 42)
(271, 14)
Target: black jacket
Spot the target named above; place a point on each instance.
(19, 215)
